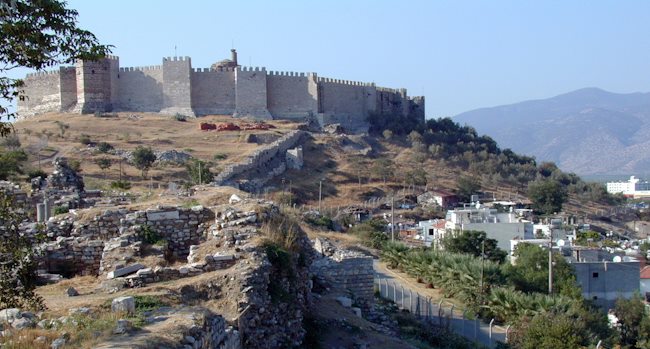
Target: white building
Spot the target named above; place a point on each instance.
(634, 187)
(501, 226)
(432, 232)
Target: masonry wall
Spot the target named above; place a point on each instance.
(177, 86)
(603, 282)
(94, 85)
(251, 93)
(68, 88)
(345, 102)
(213, 91)
(141, 89)
(292, 95)
(41, 94)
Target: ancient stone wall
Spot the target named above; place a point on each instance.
(251, 93)
(177, 86)
(350, 270)
(292, 95)
(259, 160)
(140, 89)
(213, 91)
(42, 94)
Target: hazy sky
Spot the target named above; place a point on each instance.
(461, 55)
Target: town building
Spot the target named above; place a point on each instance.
(633, 187)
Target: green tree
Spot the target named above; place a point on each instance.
(466, 187)
(11, 163)
(633, 322)
(37, 35)
(547, 196)
(104, 164)
(143, 159)
(474, 242)
(551, 330)
(199, 171)
(18, 260)
(530, 272)
(383, 168)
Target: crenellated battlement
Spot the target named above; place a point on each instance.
(251, 69)
(174, 86)
(292, 74)
(345, 82)
(150, 67)
(211, 70)
(177, 59)
(43, 73)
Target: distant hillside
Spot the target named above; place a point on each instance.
(588, 131)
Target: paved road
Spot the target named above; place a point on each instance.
(407, 294)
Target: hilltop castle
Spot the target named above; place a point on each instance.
(226, 88)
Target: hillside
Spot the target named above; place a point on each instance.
(588, 131)
(346, 164)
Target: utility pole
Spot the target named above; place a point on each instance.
(482, 268)
(392, 218)
(200, 179)
(320, 194)
(550, 263)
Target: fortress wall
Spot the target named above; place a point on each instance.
(41, 94)
(140, 89)
(291, 95)
(94, 86)
(392, 101)
(213, 91)
(251, 93)
(68, 87)
(345, 102)
(177, 86)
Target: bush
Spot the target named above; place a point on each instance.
(36, 173)
(149, 235)
(61, 210)
(143, 159)
(321, 221)
(180, 117)
(104, 147)
(85, 139)
(121, 185)
(220, 156)
(371, 233)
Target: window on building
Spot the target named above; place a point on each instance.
(594, 275)
(430, 232)
(595, 298)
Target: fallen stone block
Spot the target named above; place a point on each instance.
(228, 257)
(344, 301)
(125, 271)
(123, 305)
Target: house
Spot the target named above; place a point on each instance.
(438, 198)
(432, 232)
(501, 226)
(644, 282)
(604, 282)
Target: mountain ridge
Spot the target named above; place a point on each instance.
(589, 131)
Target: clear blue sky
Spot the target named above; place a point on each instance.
(460, 54)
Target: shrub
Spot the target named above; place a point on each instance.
(143, 159)
(36, 173)
(85, 139)
(61, 210)
(220, 156)
(121, 185)
(180, 117)
(321, 221)
(149, 235)
(104, 147)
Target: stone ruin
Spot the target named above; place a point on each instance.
(64, 177)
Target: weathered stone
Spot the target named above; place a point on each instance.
(344, 301)
(123, 304)
(22, 323)
(58, 343)
(123, 326)
(71, 292)
(124, 271)
(9, 315)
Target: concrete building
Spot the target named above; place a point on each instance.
(432, 232)
(644, 282)
(633, 187)
(438, 198)
(226, 88)
(604, 282)
(501, 226)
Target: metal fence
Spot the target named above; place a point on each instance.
(443, 313)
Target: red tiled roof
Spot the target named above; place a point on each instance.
(645, 272)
